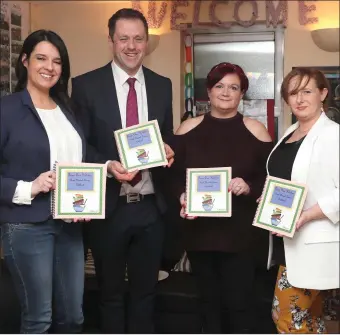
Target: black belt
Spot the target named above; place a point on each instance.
(132, 198)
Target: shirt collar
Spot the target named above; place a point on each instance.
(122, 76)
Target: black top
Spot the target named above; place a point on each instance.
(227, 142)
(280, 165)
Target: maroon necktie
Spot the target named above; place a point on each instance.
(132, 118)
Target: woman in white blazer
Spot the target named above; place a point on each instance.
(308, 153)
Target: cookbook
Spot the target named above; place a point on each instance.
(280, 207)
(207, 192)
(80, 191)
(141, 146)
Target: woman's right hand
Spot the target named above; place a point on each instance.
(183, 202)
(44, 183)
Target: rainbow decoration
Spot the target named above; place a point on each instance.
(188, 78)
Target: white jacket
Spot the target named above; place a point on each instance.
(312, 255)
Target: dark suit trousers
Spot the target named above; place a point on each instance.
(225, 281)
(133, 235)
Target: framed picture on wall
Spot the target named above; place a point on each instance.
(332, 73)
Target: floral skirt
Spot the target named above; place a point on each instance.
(296, 310)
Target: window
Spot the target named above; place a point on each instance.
(259, 51)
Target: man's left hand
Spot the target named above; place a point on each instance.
(169, 154)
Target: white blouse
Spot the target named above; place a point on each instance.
(65, 146)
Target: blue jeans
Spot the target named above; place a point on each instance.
(46, 262)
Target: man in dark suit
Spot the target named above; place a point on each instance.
(121, 94)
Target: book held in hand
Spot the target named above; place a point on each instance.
(80, 191)
(141, 146)
(280, 206)
(207, 192)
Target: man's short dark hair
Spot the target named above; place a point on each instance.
(127, 13)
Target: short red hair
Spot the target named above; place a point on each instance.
(221, 70)
(308, 73)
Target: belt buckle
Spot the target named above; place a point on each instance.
(133, 198)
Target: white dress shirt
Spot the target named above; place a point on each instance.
(145, 186)
(65, 146)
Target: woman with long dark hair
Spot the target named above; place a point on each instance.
(44, 256)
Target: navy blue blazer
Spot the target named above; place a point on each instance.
(24, 155)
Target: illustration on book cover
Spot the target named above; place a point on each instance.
(207, 202)
(276, 217)
(79, 202)
(142, 156)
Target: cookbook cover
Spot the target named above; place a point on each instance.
(141, 147)
(80, 191)
(280, 206)
(207, 192)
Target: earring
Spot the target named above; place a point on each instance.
(322, 110)
(209, 106)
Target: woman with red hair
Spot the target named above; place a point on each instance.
(308, 153)
(222, 250)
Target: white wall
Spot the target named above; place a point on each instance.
(83, 26)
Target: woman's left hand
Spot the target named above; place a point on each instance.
(310, 214)
(276, 234)
(307, 216)
(238, 186)
(304, 218)
(81, 220)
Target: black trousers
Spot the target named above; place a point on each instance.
(225, 282)
(133, 236)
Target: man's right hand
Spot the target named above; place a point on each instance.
(44, 183)
(117, 170)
